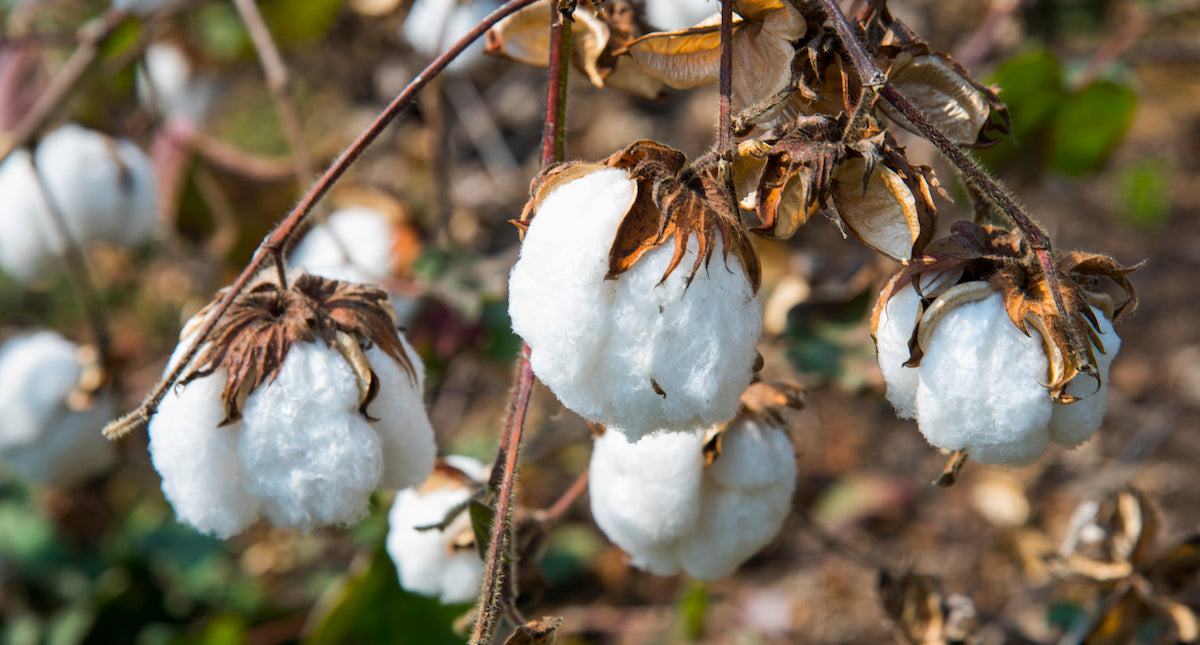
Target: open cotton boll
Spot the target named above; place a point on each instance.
(432, 26)
(673, 15)
(168, 85)
(645, 496)
(669, 512)
(403, 426)
(637, 353)
(103, 187)
(42, 438)
(1073, 423)
(360, 239)
(981, 386)
(428, 562)
(29, 246)
(896, 322)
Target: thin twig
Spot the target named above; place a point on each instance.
(77, 270)
(549, 517)
(279, 237)
(277, 77)
(725, 109)
(492, 598)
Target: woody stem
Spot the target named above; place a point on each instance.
(725, 111)
(277, 240)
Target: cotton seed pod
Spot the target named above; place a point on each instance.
(942, 94)
(980, 385)
(284, 415)
(50, 430)
(887, 211)
(639, 312)
(672, 503)
(431, 560)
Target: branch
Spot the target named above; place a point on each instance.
(725, 111)
(279, 237)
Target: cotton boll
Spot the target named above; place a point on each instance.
(646, 495)
(42, 438)
(168, 85)
(104, 188)
(896, 322)
(1073, 423)
(29, 246)
(981, 386)
(407, 439)
(313, 459)
(432, 26)
(202, 473)
(426, 561)
(672, 15)
(358, 238)
(630, 353)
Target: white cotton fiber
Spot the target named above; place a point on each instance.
(42, 438)
(669, 512)
(896, 322)
(313, 459)
(671, 15)
(168, 85)
(358, 238)
(433, 26)
(103, 187)
(1073, 423)
(604, 346)
(403, 426)
(29, 245)
(981, 386)
(427, 561)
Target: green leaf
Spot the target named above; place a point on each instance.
(294, 22)
(1089, 126)
(1032, 86)
(1144, 194)
(692, 609)
(482, 517)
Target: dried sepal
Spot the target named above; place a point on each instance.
(763, 401)
(253, 338)
(921, 614)
(542, 631)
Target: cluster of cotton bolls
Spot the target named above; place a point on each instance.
(980, 385)
(434, 561)
(639, 353)
(302, 455)
(102, 188)
(50, 428)
(669, 509)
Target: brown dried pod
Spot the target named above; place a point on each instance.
(921, 614)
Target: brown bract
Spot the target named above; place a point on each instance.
(882, 198)
(597, 33)
(253, 338)
(988, 259)
(762, 45)
(673, 200)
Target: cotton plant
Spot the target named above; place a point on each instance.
(102, 188)
(51, 391)
(432, 557)
(973, 347)
(703, 501)
(636, 295)
(304, 401)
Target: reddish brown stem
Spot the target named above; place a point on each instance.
(552, 515)
(553, 139)
(725, 111)
(276, 241)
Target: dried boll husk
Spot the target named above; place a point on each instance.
(304, 402)
(635, 292)
(434, 558)
(972, 344)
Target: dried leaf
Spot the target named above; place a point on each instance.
(536, 632)
(682, 59)
(914, 604)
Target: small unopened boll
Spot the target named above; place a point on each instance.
(301, 452)
(658, 500)
(637, 353)
(980, 385)
(103, 188)
(50, 428)
(443, 563)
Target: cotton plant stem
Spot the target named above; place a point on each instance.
(276, 73)
(493, 602)
(278, 238)
(725, 108)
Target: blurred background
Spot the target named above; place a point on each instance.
(1105, 103)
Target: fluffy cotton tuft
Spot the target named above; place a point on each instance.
(428, 562)
(630, 353)
(168, 84)
(357, 239)
(42, 437)
(432, 26)
(658, 501)
(980, 387)
(104, 189)
(671, 15)
(301, 456)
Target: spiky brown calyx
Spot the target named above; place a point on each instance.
(253, 338)
(673, 200)
(975, 255)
